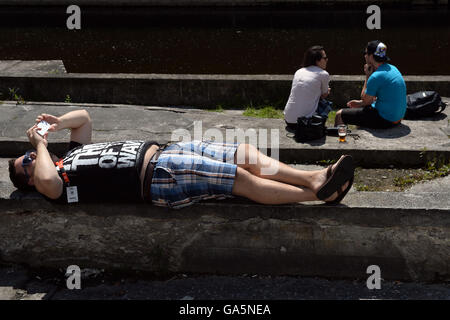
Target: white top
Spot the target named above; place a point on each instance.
(308, 85)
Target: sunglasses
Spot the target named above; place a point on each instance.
(26, 161)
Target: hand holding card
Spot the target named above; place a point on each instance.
(43, 127)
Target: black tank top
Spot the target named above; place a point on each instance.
(106, 171)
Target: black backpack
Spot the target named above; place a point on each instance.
(423, 104)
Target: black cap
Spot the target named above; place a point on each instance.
(378, 49)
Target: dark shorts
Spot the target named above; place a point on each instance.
(365, 117)
(291, 126)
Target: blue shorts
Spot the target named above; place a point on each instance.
(188, 172)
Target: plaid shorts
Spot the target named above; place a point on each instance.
(188, 172)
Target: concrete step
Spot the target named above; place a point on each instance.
(406, 234)
(412, 143)
(48, 81)
(196, 90)
(32, 67)
(20, 283)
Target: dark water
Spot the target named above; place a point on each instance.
(418, 41)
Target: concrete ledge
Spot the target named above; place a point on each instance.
(186, 90)
(234, 237)
(368, 158)
(413, 143)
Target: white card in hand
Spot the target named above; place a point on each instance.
(44, 125)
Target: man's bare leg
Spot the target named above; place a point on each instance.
(254, 161)
(338, 118)
(268, 191)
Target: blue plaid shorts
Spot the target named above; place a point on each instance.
(188, 172)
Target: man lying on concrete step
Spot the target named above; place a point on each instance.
(175, 175)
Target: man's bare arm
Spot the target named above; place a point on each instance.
(45, 178)
(366, 100)
(78, 121)
(368, 70)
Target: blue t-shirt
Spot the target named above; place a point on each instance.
(387, 84)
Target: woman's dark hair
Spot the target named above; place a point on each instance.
(312, 55)
(19, 180)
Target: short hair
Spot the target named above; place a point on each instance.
(19, 180)
(312, 55)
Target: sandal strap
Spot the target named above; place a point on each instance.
(329, 171)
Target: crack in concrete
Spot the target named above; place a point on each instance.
(164, 109)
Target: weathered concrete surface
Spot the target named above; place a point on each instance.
(232, 237)
(410, 144)
(406, 234)
(202, 91)
(438, 185)
(32, 67)
(12, 283)
(99, 285)
(176, 90)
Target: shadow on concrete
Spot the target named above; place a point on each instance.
(290, 130)
(437, 117)
(290, 133)
(399, 131)
(25, 195)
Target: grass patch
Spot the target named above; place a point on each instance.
(326, 163)
(331, 117)
(362, 187)
(13, 93)
(434, 169)
(264, 112)
(219, 108)
(398, 180)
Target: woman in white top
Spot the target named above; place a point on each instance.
(309, 85)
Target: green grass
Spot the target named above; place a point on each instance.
(326, 162)
(434, 169)
(362, 187)
(13, 93)
(331, 117)
(264, 112)
(219, 108)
